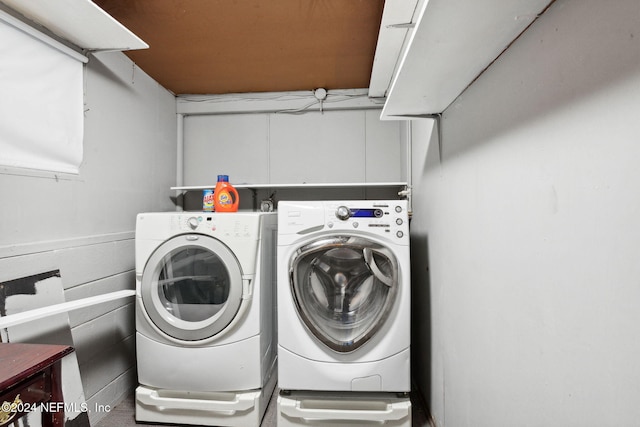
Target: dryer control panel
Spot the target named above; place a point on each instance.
(218, 225)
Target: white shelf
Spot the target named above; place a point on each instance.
(310, 185)
(398, 20)
(80, 22)
(453, 42)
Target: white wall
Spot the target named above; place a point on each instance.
(84, 226)
(344, 146)
(529, 219)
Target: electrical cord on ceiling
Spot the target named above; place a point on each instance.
(318, 96)
(266, 97)
(323, 96)
(300, 110)
(240, 97)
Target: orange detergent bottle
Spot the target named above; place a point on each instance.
(225, 197)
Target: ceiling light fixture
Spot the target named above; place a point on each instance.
(320, 94)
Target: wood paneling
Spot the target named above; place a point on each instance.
(221, 46)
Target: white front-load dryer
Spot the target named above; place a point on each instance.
(205, 317)
(344, 296)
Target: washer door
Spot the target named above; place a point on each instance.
(192, 287)
(343, 288)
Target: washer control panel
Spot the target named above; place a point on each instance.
(388, 218)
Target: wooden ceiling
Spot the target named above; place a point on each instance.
(244, 46)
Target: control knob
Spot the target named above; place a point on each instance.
(193, 222)
(343, 213)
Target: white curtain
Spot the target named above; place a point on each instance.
(41, 102)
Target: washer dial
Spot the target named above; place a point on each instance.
(343, 213)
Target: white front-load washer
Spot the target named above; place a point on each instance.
(205, 317)
(344, 296)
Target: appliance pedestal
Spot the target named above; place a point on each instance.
(233, 409)
(337, 409)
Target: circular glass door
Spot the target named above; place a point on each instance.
(343, 288)
(192, 287)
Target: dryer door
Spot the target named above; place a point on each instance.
(192, 287)
(344, 288)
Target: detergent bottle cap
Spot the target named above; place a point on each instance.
(223, 178)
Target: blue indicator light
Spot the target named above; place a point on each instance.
(366, 213)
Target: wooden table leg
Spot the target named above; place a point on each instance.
(55, 417)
